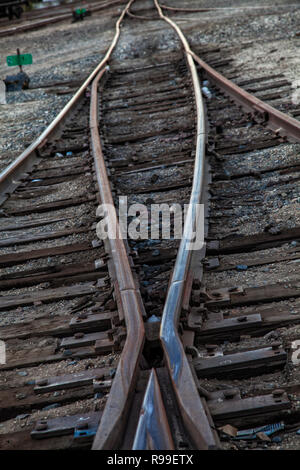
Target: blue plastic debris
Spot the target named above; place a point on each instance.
(206, 92)
(23, 373)
(69, 154)
(241, 267)
(30, 382)
(67, 352)
(251, 433)
(153, 319)
(298, 432)
(277, 439)
(84, 433)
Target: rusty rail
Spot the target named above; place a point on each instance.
(280, 123)
(191, 407)
(113, 420)
(200, 10)
(114, 416)
(191, 10)
(140, 17)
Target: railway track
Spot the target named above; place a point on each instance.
(142, 343)
(38, 19)
(39, 13)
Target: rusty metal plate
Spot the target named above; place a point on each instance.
(78, 379)
(228, 324)
(65, 425)
(230, 408)
(88, 339)
(239, 361)
(98, 320)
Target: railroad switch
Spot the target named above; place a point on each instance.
(17, 82)
(21, 80)
(80, 13)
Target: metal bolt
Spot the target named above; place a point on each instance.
(192, 351)
(241, 319)
(233, 289)
(41, 427)
(275, 348)
(83, 316)
(79, 335)
(110, 334)
(217, 294)
(99, 377)
(228, 394)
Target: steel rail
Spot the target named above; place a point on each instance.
(114, 416)
(8, 177)
(189, 401)
(192, 10)
(140, 17)
(200, 10)
(280, 123)
(153, 431)
(34, 25)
